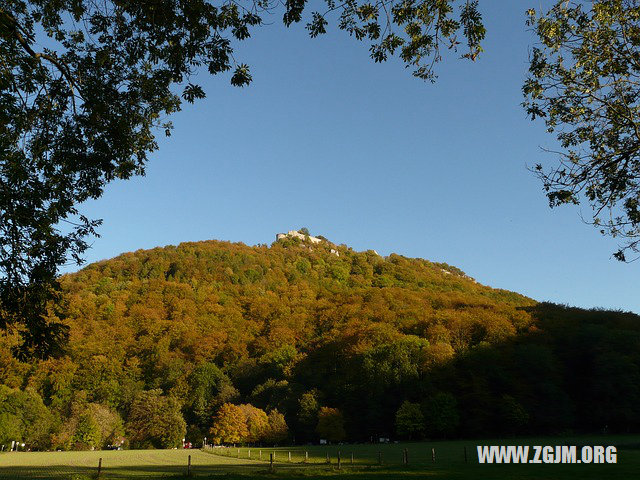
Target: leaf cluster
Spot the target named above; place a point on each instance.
(584, 82)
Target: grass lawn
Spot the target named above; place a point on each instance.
(233, 463)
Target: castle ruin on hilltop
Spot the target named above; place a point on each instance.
(297, 234)
(306, 238)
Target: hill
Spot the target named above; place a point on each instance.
(363, 345)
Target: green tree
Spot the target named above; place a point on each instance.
(155, 421)
(209, 389)
(271, 394)
(108, 422)
(441, 414)
(513, 415)
(409, 420)
(80, 107)
(331, 424)
(583, 81)
(87, 435)
(308, 408)
(10, 428)
(24, 417)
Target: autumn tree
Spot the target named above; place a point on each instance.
(257, 423)
(512, 414)
(331, 424)
(108, 422)
(229, 425)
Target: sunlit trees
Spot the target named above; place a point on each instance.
(232, 353)
(247, 424)
(24, 418)
(257, 423)
(87, 435)
(583, 83)
(109, 423)
(229, 425)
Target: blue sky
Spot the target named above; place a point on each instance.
(371, 157)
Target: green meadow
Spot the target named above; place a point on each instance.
(310, 462)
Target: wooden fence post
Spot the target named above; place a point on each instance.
(189, 467)
(99, 466)
(338, 459)
(306, 457)
(260, 453)
(328, 461)
(249, 454)
(433, 455)
(379, 458)
(271, 463)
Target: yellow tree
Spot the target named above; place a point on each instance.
(256, 421)
(229, 425)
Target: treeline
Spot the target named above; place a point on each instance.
(176, 341)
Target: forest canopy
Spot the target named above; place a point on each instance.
(265, 344)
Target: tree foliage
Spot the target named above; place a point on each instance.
(331, 424)
(257, 423)
(247, 424)
(155, 421)
(23, 418)
(442, 417)
(409, 420)
(584, 81)
(229, 425)
(86, 86)
(277, 430)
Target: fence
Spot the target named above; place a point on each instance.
(344, 455)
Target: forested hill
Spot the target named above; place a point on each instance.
(345, 344)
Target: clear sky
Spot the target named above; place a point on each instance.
(371, 157)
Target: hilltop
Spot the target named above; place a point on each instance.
(300, 325)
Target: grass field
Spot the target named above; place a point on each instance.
(245, 463)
